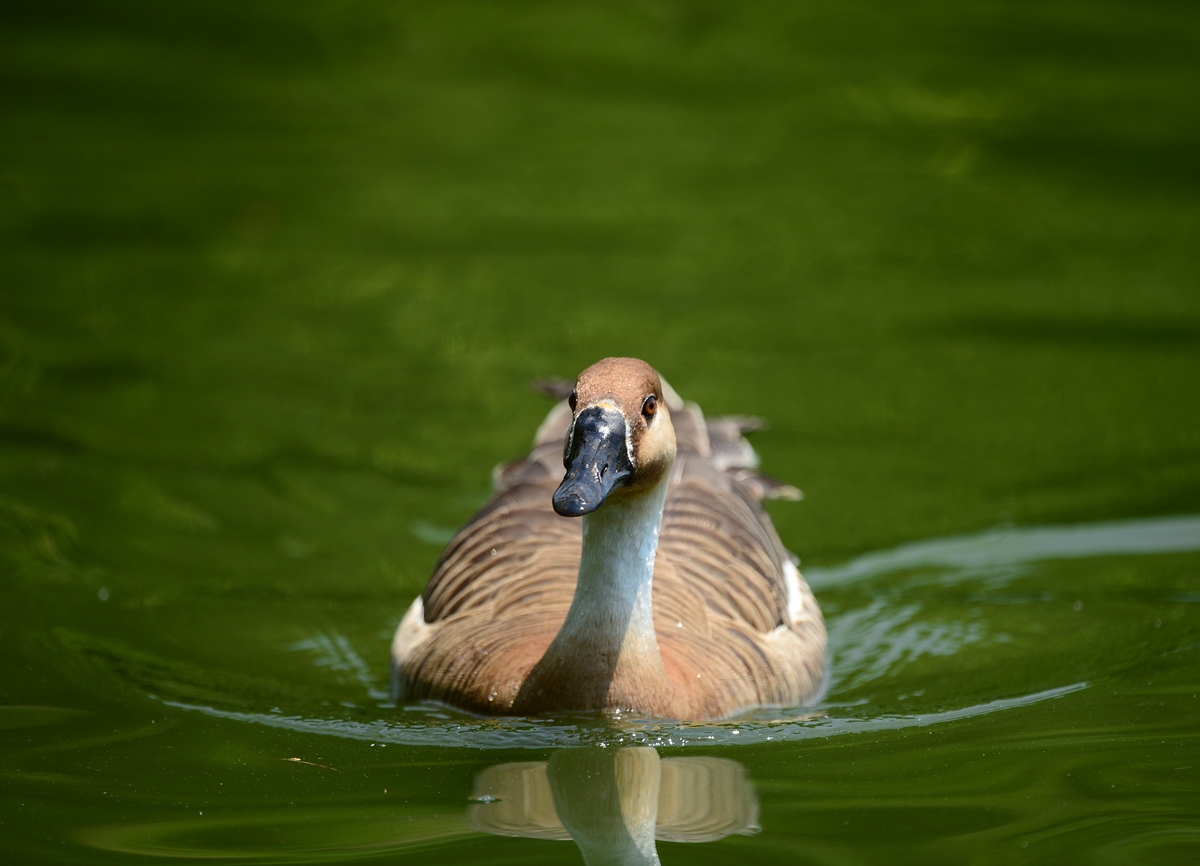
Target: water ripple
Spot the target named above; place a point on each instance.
(547, 734)
(1000, 552)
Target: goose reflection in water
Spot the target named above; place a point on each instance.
(616, 802)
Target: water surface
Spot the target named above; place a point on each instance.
(274, 279)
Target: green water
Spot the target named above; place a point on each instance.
(273, 279)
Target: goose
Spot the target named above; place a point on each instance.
(649, 581)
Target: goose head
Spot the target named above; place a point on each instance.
(620, 442)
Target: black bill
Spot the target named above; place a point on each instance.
(597, 461)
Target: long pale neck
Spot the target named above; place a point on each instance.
(606, 655)
(612, 607)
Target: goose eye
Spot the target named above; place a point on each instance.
(573, 400)
(649, 407)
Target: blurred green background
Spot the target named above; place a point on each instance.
(274, 278)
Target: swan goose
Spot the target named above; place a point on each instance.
(648, 581)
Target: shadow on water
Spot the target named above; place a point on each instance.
(615, 803)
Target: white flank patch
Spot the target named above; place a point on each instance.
(795, 595)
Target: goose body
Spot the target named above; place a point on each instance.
(649, 580)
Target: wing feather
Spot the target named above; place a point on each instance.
(730, 608)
